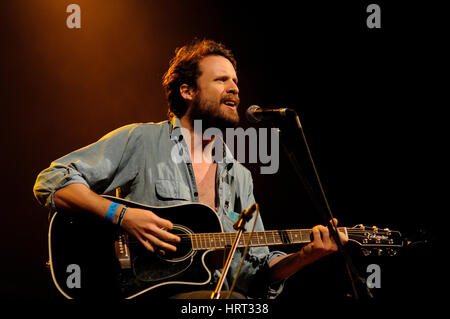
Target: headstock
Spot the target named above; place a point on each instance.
(376, 241)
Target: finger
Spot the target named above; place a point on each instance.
(161, 252)
(326, 239)
(164, 223)
(317, 237)
(341, 232)
(163, 234)
(155, 241)
(334, 222)
(145, 243)
(343, 236)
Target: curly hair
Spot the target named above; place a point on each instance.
(183, 69)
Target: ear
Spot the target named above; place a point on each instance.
(186, 92)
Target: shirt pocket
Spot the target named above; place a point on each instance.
(170, 189)
(228, 219)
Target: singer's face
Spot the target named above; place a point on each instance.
(217, 96)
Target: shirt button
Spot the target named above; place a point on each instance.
(195, 194)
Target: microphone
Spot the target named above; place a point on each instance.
(256, 114)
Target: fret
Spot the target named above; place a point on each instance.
(276, 238)
(222, 241)
(203, 240)
(211, 243)
(289, 236)
(251, 241)
(210, 240)
(193, 242)
(247, 239)
(230, 237)
(260, 238)
(295, 237)
(197, 240)
(200, 241)
(216, 240)
(206, 239)
(280, 237)
(213, 240)
(271, 239)
(241, 241)
(256, 238)
(306, 235)
(217, 243)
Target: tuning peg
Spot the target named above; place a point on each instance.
(391, 252)
(379, 251)
(366, 252)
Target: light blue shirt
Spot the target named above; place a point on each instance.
(138, 159)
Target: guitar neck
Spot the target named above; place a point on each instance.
(261, 238)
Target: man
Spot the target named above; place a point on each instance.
(200, 84)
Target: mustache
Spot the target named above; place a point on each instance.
(233, 97)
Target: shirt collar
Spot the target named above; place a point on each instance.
(175, 128)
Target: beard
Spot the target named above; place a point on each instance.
(213, 114)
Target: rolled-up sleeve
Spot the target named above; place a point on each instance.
(96, 166)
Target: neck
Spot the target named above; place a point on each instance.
(199, 147)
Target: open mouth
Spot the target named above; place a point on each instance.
(230, 103)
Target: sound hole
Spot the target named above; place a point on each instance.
(184, 248)
(150, 267)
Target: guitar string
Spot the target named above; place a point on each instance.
(276, 237)
(274, 233)
(353, 232)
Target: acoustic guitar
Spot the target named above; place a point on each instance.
(92, 258)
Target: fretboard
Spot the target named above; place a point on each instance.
(262, 238)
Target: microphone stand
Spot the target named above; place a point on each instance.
(325, 212)
(239, 225)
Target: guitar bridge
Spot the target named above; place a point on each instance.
(122, 251)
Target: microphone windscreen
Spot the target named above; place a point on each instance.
(250, 114)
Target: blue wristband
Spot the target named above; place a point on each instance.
(111, 212)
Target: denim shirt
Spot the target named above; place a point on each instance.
(139, 160)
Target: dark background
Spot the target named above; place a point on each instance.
(367, 99)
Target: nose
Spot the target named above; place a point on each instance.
(233, 88)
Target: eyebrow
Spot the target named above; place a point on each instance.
(235, 79)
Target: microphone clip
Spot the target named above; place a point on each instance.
(244, 217)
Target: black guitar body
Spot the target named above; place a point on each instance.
(84, 264)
